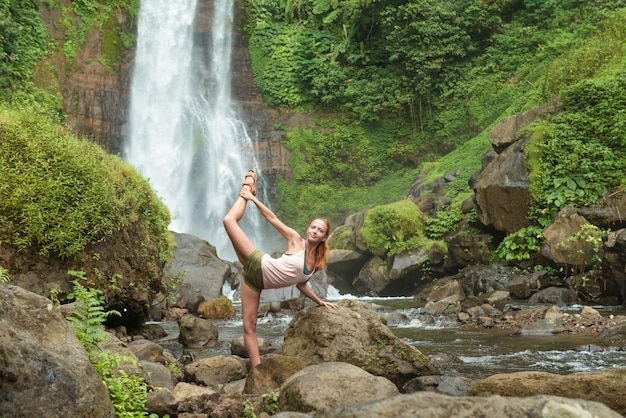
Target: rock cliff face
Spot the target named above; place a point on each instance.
(96, 98)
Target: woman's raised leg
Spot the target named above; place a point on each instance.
(241, 243)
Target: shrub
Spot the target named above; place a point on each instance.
(392, 229)
(59, 194)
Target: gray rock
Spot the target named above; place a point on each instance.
(44, 367)
(201, 271)
(355, 334)
(161, 402)
(215, 372)
(320, 387)
(433, 405)
(196, 332)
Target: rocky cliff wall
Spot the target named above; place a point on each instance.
(96, 97)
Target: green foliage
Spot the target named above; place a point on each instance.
(4, 275)
(393, 228)
(271, 399)
(128, 393)
(447, 220)
(578, 156)
(520, 245)
(82, 16)
(89, 316)
(23, 41)
(59, 194)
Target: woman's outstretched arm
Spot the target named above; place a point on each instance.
(291, 235)
(308, 292)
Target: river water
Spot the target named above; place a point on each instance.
(483, 352)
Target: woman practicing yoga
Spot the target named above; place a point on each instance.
(301, 259)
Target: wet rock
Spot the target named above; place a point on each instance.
(563, 244)
(158, 375)
(449, 385)
(501, 190)
(354, 334)
(469, 249)
(497, 299)
(402, 264)
(524, 285)
(373, 277)
(554, 296)
(196, 332)
(161, 402)
(614, 265)
(202, 273)
(505, 133)
(148, 350)
(548, 326)
(605, 387)
(320, 387)
(441, 290)
(214, 372)
(428, 404)
(271, 374)
(44, 367)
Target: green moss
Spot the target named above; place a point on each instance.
(60, 194)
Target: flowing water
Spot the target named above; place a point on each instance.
(482, 352)
(185, 133)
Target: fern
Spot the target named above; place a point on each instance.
(128, 393)
(89, 316)
(4, 275)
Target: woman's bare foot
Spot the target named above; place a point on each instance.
(250, 181)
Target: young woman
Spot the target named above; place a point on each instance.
(301, 259)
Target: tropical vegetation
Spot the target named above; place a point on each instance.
(414, 80)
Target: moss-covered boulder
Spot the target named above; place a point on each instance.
(67, 205)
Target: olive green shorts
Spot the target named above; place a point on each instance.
(252, 273)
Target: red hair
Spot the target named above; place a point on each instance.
(322, 250)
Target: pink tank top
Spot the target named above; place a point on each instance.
(284, 271)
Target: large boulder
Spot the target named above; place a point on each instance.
(318, 388)
(433, 405)
(43, 367)
(195, 332)
(505, 133)
(607, 387)
(564, 245)
(271, 374)
(501, 190)
(614, 265)
(201, 272)
(354, 334)
(215, 372)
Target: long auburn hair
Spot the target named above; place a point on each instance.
(322, 250)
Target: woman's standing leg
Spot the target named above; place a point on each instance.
(249, 309)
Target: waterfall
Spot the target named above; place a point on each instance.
(185, 135)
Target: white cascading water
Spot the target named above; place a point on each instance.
(184, 133)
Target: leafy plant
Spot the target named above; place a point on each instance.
(521, 244)
(4, 275)
(271, 401)
(59, 194)
(392, 229)
(89, 316)
(447, 220)
(128, 393)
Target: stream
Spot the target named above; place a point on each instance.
(483, 352)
